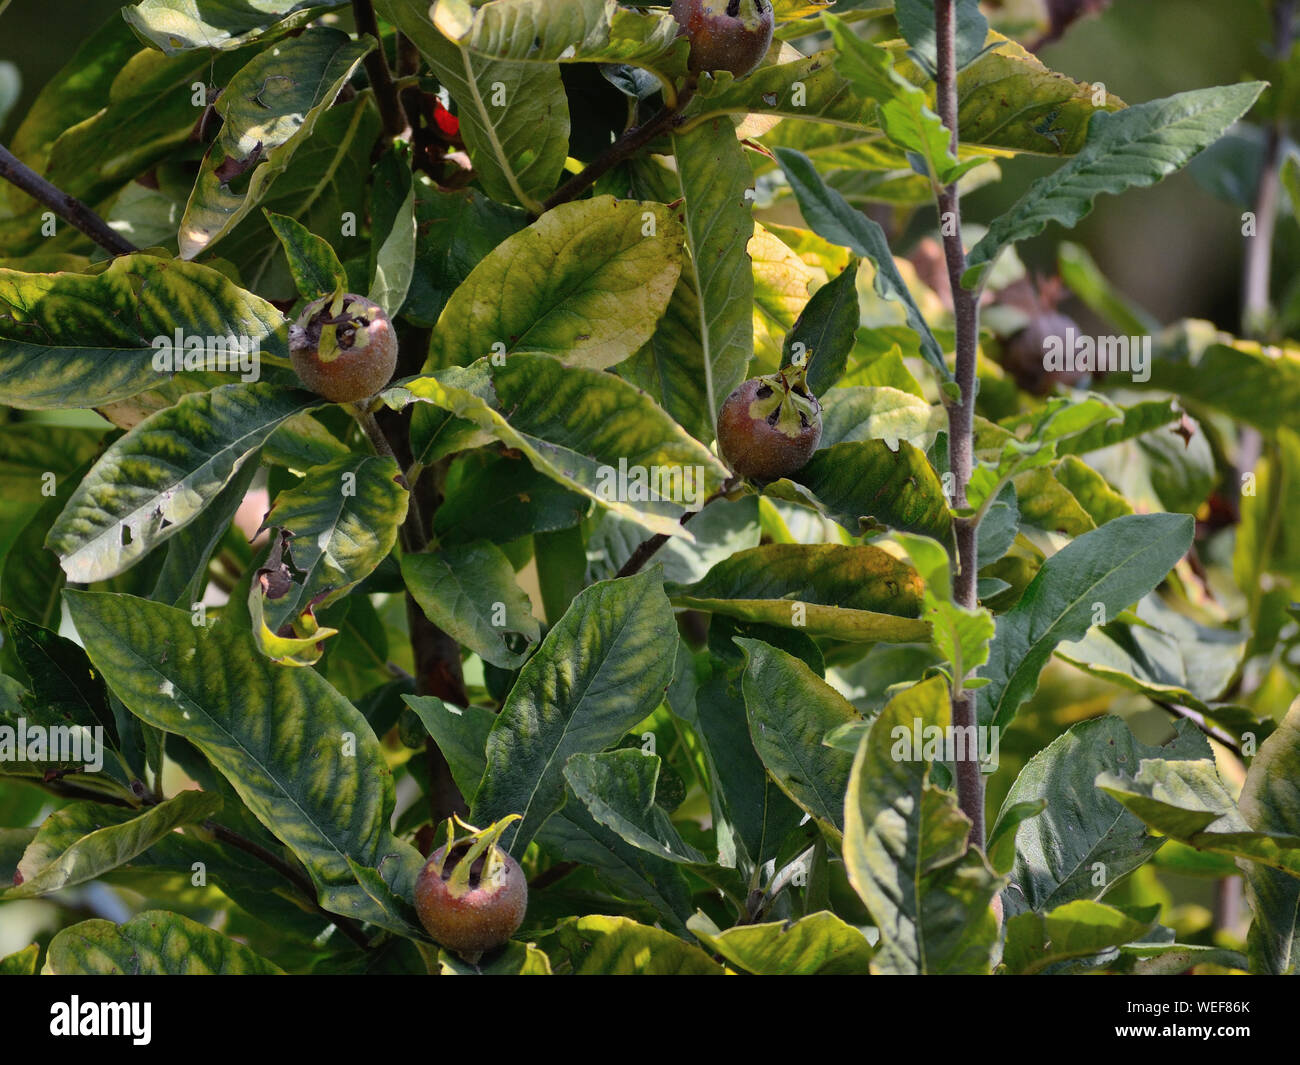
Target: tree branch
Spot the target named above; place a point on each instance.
(632, 141)
(69, 208)
(961, 412)
(396, 123)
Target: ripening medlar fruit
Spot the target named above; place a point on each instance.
(471, 895)
(1023, 352)
(729, 35)
(343, 347)
(770, 426)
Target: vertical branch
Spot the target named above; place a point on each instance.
(381, 79)
(961, 412)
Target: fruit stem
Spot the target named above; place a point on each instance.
(961, 411)
(69, 208)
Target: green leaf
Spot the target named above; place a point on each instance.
(581, 428)
(578, 31)
(184, 574)
(714, 181)
(753, 817)
(791, 709)
(30, 576)
(831, 217)
(515, 959)
(268, 109)
(469, 591)
(1083, 843)
(1269, 803)
(1188, 801)
(1135, 147)
(903, 109)
(573, 835)
(21, 962)
(1008, 100)
(316, 269)
(1100, 573)
(618, 789)
(84, 840)
(329, 175)
(153, 943)
(599, 671)
(176, 26)
(1254, 383)
(586, 283)
(860, 480)
(1090, 490)
(64, 686)
(514, 116)
(845, 592)
(461, 735)
(300, 756)
(37, 459)
(454, 230)
(501, 498)
(112, 92)
(158, 478)
(1167, 656)
(1076, 930)
(824, 332)
(395, 261)
(817, 945)
(342, 521)
(858, 413)
(617, 946)
(906, 850)
(81, 340)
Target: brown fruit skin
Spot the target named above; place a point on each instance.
(358, 372)
(757, 449)
(482, 919)
(1022, 353)
(722, 40)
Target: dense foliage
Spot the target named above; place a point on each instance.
(710, 716)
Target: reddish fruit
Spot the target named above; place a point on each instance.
(343, 347)
(729, 35)
(1023, 353)
(770, 426)
(471, 895)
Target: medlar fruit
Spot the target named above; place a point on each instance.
(343, 347)
(770, 426)
(471, 895)
(729, 35)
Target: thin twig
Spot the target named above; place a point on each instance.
(961, 412)
(1196, 718)
(646, 548)
(632, 141)
(69, 208)
(396, 123)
